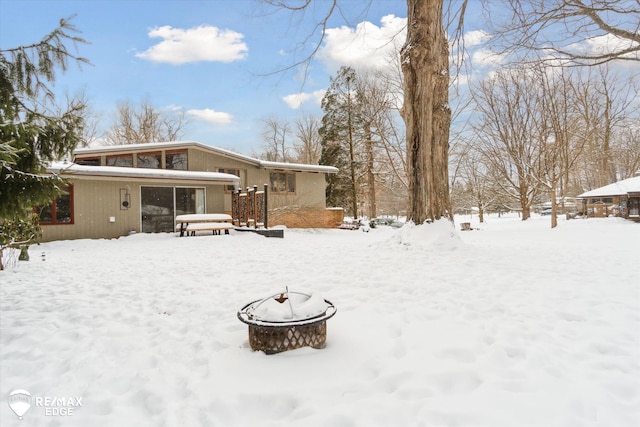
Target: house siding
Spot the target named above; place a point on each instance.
(96, 200)
(310, 186)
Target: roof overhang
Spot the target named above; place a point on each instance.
(176, 145)
(297, 167)
(69, 170)
(620, 188)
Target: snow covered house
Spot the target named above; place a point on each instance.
(621, 198)
(117, 190)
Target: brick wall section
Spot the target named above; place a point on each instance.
(306, 218)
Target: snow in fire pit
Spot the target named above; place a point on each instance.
(297, 306)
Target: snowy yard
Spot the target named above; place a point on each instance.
(514, 324)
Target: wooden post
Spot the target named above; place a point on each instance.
(266, 206)
(235, 207)
(254, 203)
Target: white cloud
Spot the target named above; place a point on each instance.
(211, 116)
(203, 43)
(602, 45)
(295, 101)
(486, 58)
(475, 38)
(367, 46)
(173, 107)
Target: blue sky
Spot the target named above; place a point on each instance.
(218, 61)
(212, 59)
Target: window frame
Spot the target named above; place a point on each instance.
(287, 176)
(157, 154)
(171, 152)
(69, 191)
(119, 156)
(88, 161)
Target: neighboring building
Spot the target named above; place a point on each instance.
(117, 190)
(621, 198)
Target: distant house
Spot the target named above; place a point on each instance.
(621, 198)
(116, 190)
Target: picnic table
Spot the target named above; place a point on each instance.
(216, 222)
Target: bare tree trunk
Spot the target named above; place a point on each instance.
(426, 112)
(370, 177)
(554, 207)
(352, 158)
(608, 170)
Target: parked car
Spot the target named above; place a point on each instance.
(386, 221)
(383, 220)
(350, 225)
(545, 212)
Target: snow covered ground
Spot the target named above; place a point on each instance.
(511, 324)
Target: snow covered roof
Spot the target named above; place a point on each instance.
(227, 153)
(629, 185)
(66, 168)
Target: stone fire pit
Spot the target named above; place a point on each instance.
(286, 321)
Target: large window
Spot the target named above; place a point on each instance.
(150, 160)
(60, 211)
(282, 182)
(122, 161)
(89, 161)
(601, 200)
(189, 200)
(176, 160)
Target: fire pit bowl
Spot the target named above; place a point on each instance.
(286, 321)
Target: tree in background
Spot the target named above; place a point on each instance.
(606, 107)
(275, 135)
(341, 137)
(627, 151)
(32, 133)
(559, 134)
(145, 123)
(307, 149)
(506, 132)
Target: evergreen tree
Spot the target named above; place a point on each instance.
(32, 133)
(341, 134)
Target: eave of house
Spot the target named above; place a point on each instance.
(175, 145)
(620, 188)
(66, 169)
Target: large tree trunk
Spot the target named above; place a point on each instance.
(426, 113)
(525, 202)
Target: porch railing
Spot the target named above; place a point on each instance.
(249, 209)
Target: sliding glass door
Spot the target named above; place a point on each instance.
(160, 205)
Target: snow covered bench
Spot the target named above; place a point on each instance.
(216, 227)
(190, 223)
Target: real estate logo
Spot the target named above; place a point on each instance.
(19, 402)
